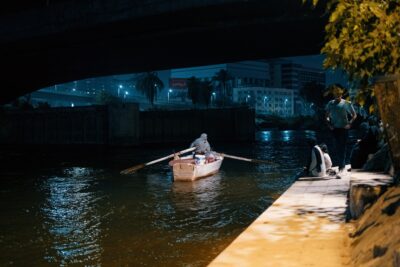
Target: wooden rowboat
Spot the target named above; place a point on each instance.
(186, 169)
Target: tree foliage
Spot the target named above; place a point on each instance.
(149, 84)
(363, 37)
(313, 93)
(223, 78)
(199, 91)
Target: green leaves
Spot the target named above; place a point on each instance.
(362, 37)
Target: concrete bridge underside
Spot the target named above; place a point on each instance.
(69, 40)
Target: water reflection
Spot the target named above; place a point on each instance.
(87, 216)
(266, 136)
(199, 196)
(71, 218)
(286, 135)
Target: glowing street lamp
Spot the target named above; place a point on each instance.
(213, 96)
(126, 94)
(286, 100)
(247, 98)
(169, 91)
(265, 99)
(119, 88)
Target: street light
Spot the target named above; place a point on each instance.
(286, 100)
(126, 94)
(247, 98)
(213, 95)
(169, 91)
(119, 88)
(265, 98)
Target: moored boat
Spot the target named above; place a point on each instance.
(189, 169)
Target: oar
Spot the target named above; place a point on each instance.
(137, 167)
(247, 159)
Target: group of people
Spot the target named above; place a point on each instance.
(340, 115)
(337, 118)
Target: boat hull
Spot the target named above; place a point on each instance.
(188, 171)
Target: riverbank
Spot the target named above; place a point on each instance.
(308, 226)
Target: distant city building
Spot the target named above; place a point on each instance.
(84, 92)
(243, 74)
(286, 74)
(271, 77)
(265, 100)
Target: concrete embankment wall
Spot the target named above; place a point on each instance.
(234, 124)
(122, 125)
(92, 125)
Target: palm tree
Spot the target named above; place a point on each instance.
(149, 85)
(199, 91)
(223, 77)
(194, 87)
(206, 91)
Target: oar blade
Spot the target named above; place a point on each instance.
(133, 169)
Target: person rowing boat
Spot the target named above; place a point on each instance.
(201, 144)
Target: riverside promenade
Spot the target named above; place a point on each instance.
(304, 227)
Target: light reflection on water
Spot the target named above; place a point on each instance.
(70, 215)
(92, 216)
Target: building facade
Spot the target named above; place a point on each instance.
(286, 74)
(266, 100)
(241, 74)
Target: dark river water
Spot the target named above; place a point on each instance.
(77, 210)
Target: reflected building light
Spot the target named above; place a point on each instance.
(286, 135)
(310, 134)
(266, 136)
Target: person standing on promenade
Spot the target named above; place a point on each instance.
(337, 111)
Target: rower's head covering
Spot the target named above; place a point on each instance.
(203, 136)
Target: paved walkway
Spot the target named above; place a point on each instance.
(304, 227)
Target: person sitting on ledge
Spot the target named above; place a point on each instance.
(367, 145)
(316, 163)
(327, 159)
